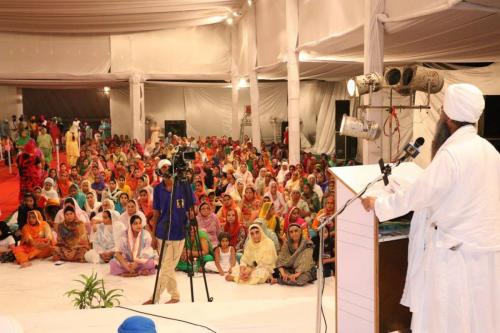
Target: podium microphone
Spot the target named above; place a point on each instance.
(411, 150)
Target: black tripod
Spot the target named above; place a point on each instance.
(185, 188)
(191, 258)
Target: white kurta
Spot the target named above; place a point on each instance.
(459, 249)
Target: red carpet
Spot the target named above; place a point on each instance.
(9, 187)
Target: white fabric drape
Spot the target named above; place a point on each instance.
(292, 18)
(196, 50)
(254, 83)
(23, 54)
(137, 108)
(372, 151)
(271, 32)
(430, 30)
(234, 82)
(110, 16)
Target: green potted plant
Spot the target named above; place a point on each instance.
(93, 294)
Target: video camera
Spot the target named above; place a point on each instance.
(181, 161)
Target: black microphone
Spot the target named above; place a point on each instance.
(411, 150)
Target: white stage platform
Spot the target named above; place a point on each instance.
(35, 297)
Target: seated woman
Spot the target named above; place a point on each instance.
(26, 206)
(80, 214)
(295, 262)
(267, 214)
(7, 243)
(130, 210)
(225, 256)
(135, 254)
(328, 251)
(105, 238)
(208, 221)
(249, 205)
(191, 249)
(293, 216)
(258, 260)
(72, 239)
(329, 210)
(227, 204)
(237, 232)
(36, 240)
(92, 205)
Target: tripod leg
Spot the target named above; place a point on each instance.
(202, 262)
(190, 267)
(158, 269)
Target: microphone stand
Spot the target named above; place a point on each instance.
(385, 172)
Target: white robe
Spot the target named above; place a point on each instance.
(456, 287)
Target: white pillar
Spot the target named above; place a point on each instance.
(254, 84)
(292, 20)
(137, 108)
(235, 131)
(374, 62)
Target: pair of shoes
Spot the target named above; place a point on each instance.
(172, 301)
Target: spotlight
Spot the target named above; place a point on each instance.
(243, 83)
(407, 79)
(363, 129)
(422, 79)
(229, 20)
(249, 2)
(361, 84)
(107, 89)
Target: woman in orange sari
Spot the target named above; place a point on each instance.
(250, 205)
(36, 240)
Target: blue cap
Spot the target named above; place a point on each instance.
(137, 324)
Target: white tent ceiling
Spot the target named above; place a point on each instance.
(110, 16)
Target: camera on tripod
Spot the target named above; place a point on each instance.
(181, 160)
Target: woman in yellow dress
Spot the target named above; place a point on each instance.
(72, 145)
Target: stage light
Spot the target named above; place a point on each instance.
(249, 2)
(363, 129)
(107, 89)
(407, 79)
(361, 84)
(243, 83)
(422, 79)
(229, 20)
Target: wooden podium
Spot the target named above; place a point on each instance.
(370, 269)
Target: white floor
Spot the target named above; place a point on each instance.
(35, 297)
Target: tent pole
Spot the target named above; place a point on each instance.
(373, 62)
(292, 21)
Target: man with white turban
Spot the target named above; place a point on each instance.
(453, 277)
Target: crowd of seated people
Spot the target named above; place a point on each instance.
(257, 215)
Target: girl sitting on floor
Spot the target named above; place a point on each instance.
(225, 256)
(135, 254)
(258, 260)
(36, 240)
